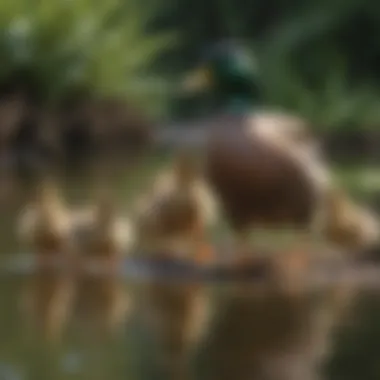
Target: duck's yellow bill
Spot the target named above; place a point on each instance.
(199, 80)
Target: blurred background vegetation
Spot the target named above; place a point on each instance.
(320, 58)
(317, 58)
(84, 75)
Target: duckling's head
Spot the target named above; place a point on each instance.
(47, 195)
(228, 72)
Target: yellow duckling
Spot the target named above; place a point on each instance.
(176, 215)
(348, 225)
(46, 222)
(101, 233)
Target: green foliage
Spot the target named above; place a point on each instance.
(318, 58)
(307, 73)
(101, 45)
(333, 104)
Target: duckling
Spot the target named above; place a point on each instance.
(175, 217)
(264, 166)
(348, 225)
(100, 233)
(45, 223)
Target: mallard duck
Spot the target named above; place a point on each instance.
(174, 217)
(45, 223)
(265, 167)
(100, 232)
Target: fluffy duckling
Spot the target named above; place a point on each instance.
(347, 224)
(101, 233)
(46, 222)
(177, 214)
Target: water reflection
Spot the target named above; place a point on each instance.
(52, 296)
(46, 301)
(76, 325)
(86, 326)
(355, 353)
(175, 315)
(74, 321)
(268, 333)
(101, 305)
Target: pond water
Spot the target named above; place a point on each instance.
(69, 326)
(53, 327)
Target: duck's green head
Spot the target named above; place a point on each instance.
(229, 74)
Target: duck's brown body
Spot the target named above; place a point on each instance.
(258, 183)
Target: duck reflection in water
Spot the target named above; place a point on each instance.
(101, 305)
(53, 297)
(175, 315)
(270, 330)
(47, 299)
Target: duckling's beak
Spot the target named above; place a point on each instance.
(198, 80)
